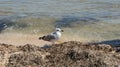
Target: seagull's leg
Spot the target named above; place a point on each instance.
(59, 41)
(53, 42)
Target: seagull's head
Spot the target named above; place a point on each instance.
(58, 29)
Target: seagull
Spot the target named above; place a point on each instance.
(52, 37)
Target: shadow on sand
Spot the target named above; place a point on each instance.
(114, 43)
(46, 46)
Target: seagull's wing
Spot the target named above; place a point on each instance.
(53, 33)
(48, 37)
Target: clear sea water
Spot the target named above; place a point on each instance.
(68, 12)
(105, 10)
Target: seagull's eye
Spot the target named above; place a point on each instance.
(62, 30)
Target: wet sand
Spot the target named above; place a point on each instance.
(21, 39)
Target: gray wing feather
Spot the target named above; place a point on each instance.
(48, 37)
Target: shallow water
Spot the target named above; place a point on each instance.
(89, 19)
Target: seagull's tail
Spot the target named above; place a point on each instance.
(40, 38)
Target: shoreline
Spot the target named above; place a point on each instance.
(22, 39)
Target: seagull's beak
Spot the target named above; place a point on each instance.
(62, 30)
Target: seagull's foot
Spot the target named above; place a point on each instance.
(58, 42)
(53, 42)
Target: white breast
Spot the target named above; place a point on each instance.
(57, 35)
